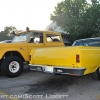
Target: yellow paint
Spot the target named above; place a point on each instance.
(8, 96)
(66, 57)
(24, 48)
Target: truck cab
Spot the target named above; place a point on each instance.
(14, 54)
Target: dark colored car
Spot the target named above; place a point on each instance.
(87, 42)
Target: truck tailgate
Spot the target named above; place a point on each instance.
(56, 56)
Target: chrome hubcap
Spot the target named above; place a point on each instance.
(14, 66)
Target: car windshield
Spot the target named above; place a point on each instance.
(20, 38)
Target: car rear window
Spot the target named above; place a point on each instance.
(87, 43)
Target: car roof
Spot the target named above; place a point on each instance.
(89, 39)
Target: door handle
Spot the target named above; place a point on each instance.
(22, 48)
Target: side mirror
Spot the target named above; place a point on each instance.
(13, 32)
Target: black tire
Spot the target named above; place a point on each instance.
(12, 66)
(96, 74)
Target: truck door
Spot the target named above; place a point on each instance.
(36, 41)
(53, 40)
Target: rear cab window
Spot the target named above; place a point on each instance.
(53, 38)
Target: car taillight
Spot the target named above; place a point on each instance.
(77, 58)
(29, 57)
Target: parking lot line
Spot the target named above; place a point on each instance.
(7, 96)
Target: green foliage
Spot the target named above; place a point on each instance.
(6, 34)
(78, 18)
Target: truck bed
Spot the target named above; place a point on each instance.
(85, 59)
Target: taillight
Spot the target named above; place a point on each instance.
(29, 57)
(77, 58)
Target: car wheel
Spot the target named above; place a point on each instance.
(96, 74)
(12, 66)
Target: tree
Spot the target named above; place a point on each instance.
(78, 18)
(91, 21)
(8, 29)
(6, 34)
(50, 29)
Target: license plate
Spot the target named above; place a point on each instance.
(49, 69)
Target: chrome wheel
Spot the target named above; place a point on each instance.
(14, 66)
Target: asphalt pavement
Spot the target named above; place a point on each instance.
(33, 85)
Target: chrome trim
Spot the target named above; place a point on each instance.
(65, 70)
(64, 67)
(34, 65)
(68, 67)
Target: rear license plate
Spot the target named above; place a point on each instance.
(49, 69)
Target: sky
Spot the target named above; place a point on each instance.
(34, 14)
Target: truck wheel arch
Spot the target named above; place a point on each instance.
(13, 53)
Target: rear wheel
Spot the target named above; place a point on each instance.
(12, 66)
(96, 74)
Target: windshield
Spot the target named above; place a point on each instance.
(20, 38)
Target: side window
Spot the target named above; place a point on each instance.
(36, 37)
(52, 38)
(77, 43)
(94, 43)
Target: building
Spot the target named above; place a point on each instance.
(53, 27)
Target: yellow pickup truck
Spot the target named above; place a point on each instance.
(14, 54)
(72, 60)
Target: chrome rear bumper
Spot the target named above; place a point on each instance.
(59, 70)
